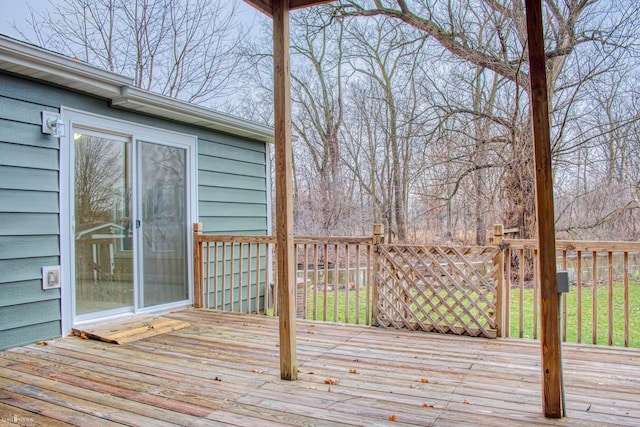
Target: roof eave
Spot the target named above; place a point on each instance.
(28, 60)
(146, 102)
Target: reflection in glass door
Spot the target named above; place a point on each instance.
(164, 225)
(104, 273)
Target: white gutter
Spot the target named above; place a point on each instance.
(132, 98)
(32, 61)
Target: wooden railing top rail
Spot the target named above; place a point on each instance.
(297, 239)
(234, 239)
(577, 245)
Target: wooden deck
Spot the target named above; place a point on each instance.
(224, 370)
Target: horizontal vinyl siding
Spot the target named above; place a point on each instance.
(232, 191)
(232, 186)
(28, 334)
(29, 221)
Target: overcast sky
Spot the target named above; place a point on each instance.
(17, 11)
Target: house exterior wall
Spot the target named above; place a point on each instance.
(232, 197)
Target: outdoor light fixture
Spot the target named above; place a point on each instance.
(53, 124)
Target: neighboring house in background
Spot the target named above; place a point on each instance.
(111, 202)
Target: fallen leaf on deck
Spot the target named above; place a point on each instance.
(54, 376)
(466, 402)
(426, 405)
(218, 379)
(150, 327)
(258, 371)
(353, 371)
(424, 380)
(42, 343)
(331, 381)
(84, 336)
(311, 332)
(392, 418)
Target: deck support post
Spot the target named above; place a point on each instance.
(285, 259)
(378, 239)
(198, 292)
(549, 335)
(498, 263)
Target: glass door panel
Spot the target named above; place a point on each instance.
(103, 235)
(163, 198)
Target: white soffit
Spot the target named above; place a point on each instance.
(132, 98)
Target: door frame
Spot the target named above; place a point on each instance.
(135, 132)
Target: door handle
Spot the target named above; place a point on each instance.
(138, 223)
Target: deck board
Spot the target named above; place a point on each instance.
(223, 369)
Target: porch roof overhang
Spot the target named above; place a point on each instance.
(34, 62)
(278, 10)
(266, 6)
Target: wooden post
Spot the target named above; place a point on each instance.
(285, 261)
(549, 334)
(378, 239)
(498, 264)
(198, 292)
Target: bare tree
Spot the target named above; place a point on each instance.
(389, 59)
(317, 83)
(185, 49)
(491, 34)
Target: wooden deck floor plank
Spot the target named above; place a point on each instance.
(207, 383)
(149, 361)
(320, 416)
(110, 403)
(121, 331)
(174, 375)
(48, 410)
(127, 384)
(15, 416)
(74, 410)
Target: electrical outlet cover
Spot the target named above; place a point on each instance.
(51, 277)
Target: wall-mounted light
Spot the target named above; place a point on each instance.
(53, 124)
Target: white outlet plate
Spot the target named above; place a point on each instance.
(51, 278)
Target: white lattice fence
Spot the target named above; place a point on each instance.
(437, 289)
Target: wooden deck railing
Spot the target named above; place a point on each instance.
(335, 283)
(596, 310)
(236, 273)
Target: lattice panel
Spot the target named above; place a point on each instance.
(437, 289)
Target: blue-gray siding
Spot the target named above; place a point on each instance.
(232, 189)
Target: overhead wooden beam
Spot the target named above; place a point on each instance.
(549, 336)
(299, 4)
(266, 6)
(263, 6)
(285, 259)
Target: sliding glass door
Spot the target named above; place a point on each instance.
(130, 221)
(104, 273)
(163, 186)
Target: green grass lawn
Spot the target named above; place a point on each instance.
(350, 300)
(602, 294)
(528, 331)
